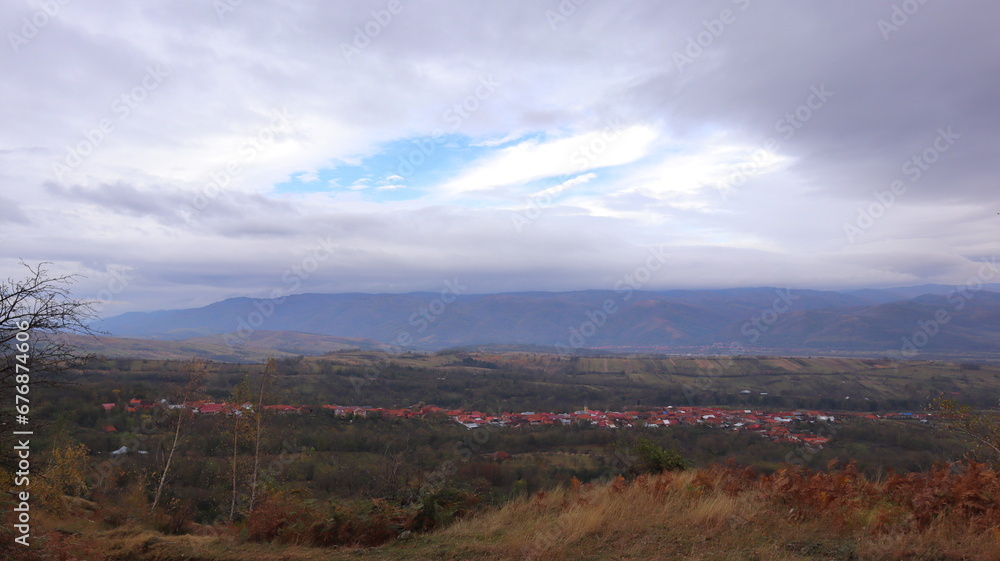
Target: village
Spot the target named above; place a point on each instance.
(797, 427)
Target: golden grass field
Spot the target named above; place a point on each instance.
(720, 513)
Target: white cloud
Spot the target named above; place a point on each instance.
(535, 159)
(500, 141)
(713, 163)
(556, 189)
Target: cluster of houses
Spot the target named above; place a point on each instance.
(922, 417)
(204, 407)
(776, 426)
(771, 425)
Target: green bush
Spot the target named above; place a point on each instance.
(442, 507)
(648, 457)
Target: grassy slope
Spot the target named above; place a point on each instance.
(836, 378)
(257, 347)
(431, 378)
(699, 515)
(858, 378)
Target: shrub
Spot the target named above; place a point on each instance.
(285, 519)
(648, 457)
(442, 507)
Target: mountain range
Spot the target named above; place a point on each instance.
(907, 322)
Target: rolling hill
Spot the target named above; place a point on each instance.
(939, 320)
(257, 347)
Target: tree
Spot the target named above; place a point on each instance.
(65, 473)
(241, 422)
(196, 379)
(980, 428)
(258, 415)
(35, 312)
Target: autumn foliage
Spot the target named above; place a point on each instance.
(950, 512)
(283, 518)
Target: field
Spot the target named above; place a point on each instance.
(498, 493)
(255, 347)
(527, 381)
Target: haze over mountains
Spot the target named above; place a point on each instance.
(910, 322)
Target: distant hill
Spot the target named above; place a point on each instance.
(886, 295)
(255, 348)
(764, 319)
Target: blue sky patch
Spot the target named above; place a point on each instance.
(403, 169)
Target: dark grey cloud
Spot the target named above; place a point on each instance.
(12, 213)
(890, 96)
(121, 198)
(128, 207)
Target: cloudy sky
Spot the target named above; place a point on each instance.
(178, 153)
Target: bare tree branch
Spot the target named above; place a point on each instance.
(44, 304)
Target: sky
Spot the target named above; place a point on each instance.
(175, 154)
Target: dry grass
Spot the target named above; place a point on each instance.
(730, 514)
(715, 514)
(660, 517)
